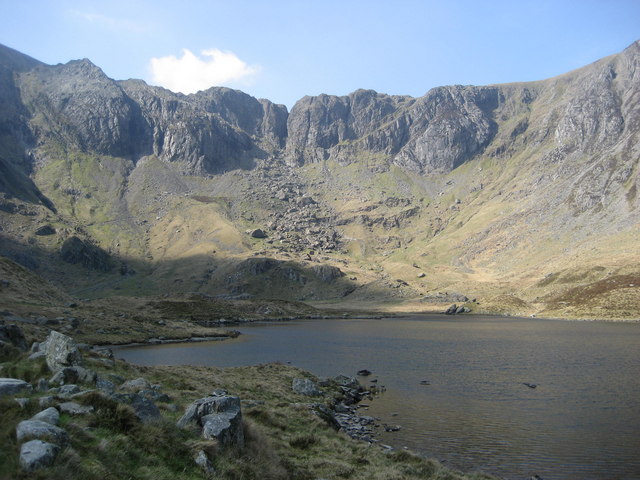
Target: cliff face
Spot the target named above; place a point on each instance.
(221, 129)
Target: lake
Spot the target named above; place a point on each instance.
(582, 421)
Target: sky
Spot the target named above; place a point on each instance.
(284, 50)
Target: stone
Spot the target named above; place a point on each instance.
(105, 386)
(73, 408)
(13, 335)
(23, 402)
(74, 375)
(364, 372)
(422, 275)
(349, 382)
(225, 427)
(451, 310)
(219, 417)
(39, 430)
(47, 401)
(258, 233)
(12, 386)
(304, 386)
(145, 409)
(68, 390)
(42, 385)
(45, 230)
(49, 415)
(136, 385)
(61, 351)
(36, 454)
(203, 462)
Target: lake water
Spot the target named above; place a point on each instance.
(582, 421)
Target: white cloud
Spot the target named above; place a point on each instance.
(189, 73)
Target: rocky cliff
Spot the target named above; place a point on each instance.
(529, 189)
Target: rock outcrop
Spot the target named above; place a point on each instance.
(218, 417)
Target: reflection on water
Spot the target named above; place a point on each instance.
(582, 421)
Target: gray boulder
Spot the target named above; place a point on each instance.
(203, 462)
(49, 415)
(12, 386)
(73, 408)
(258, 233)
(220, 417)
(39, 430)
(348, 382)
(225, 427)
(451, 310)
(304, 386)
(37, 454)
(73, 375)
(60, 351)
(144, 408)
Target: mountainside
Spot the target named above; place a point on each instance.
(522, 196)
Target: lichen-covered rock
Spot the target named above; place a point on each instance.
(36, 454)
(60, 351)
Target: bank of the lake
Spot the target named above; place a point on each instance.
(105, 418)
(458, 385)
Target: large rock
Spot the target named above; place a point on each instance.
(39, 430)
(219, 416)
(73, 375)
(60, 351)
(304, 386)
(12, 386)
(136, 385)
(37, 454)
(49, 415)
(225, 427)
(144, 408)
(73, 408)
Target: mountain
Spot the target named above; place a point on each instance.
(523, 196)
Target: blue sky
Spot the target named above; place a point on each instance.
(283, 50)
